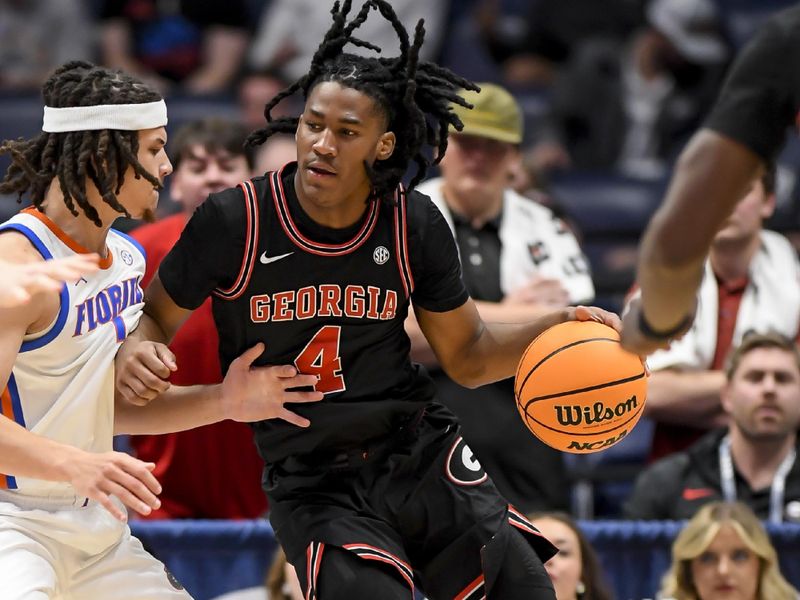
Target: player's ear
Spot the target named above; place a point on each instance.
(386, 145)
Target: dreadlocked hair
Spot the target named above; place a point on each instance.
(102, 156)
(416, 96)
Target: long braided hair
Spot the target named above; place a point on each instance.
(102, 156)
(415, 95)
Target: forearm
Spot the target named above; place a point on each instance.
(490, 312)
(685, 398)
(712, 175)
(496, 351)
(177, 409)
(26, 454)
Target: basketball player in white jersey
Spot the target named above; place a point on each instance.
(62, 489)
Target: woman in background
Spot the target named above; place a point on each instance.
(724, 552)
(575, 570)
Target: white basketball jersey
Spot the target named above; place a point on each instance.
(62, 382)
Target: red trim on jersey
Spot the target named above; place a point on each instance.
(406, 260)
(293, 233)
(519, 521)
(250, 245)
(368, 552)
(400, 244)
(313, 563)
(104, 263)
(473, 590)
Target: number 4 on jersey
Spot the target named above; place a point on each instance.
(321, 357)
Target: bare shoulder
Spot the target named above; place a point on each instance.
(16, 248)
(37, 314)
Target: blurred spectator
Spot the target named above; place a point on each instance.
(531, 47)
(255, 89)
(753, 460)
(36, 36)
(752, 282)
(196, 46)
(724, 552)
(519, 262)
(575, 571)
(291, 30)
(632, 107)
(211, 472)
(278, 150)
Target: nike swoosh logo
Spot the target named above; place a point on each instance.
(265, 260)
(697, 493)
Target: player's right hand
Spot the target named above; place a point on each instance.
(142, 371)
(98, 476)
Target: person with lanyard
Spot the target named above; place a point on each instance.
(753, 461)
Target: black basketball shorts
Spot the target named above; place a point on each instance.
(420, 504)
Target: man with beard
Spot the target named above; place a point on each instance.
(753, 460)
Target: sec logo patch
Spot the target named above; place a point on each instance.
(462, 466)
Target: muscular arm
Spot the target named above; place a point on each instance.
(686, 398)
(490, 312)
(712, 175)
(474, 353)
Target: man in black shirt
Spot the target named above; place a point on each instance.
(312, 270)
(753, 461)
(744, 131)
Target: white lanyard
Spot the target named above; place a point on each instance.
(776, 491)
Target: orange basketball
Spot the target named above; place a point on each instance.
(577, 390)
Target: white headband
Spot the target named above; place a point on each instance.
(127, 117)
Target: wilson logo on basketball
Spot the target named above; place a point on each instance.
(599, 412)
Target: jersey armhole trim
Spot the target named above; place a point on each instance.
(401, 240)
(250, 245)
(133, 241)
(48, 335)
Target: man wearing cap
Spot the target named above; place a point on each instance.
(519, 261)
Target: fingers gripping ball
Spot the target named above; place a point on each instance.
(577, 390)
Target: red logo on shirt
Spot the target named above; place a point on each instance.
(697, 493)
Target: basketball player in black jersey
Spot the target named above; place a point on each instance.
(312, 269)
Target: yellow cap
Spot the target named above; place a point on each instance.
(496, 115)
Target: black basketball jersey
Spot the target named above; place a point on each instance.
(330, 301)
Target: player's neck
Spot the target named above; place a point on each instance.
(343, 210)
(79, 228)
(757, 460)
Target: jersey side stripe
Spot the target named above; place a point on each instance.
(63, 310)
(250, 245)
(11, 408)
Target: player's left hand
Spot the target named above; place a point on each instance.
(593, 313)
(257, 393)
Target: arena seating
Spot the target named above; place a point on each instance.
(213, 557)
